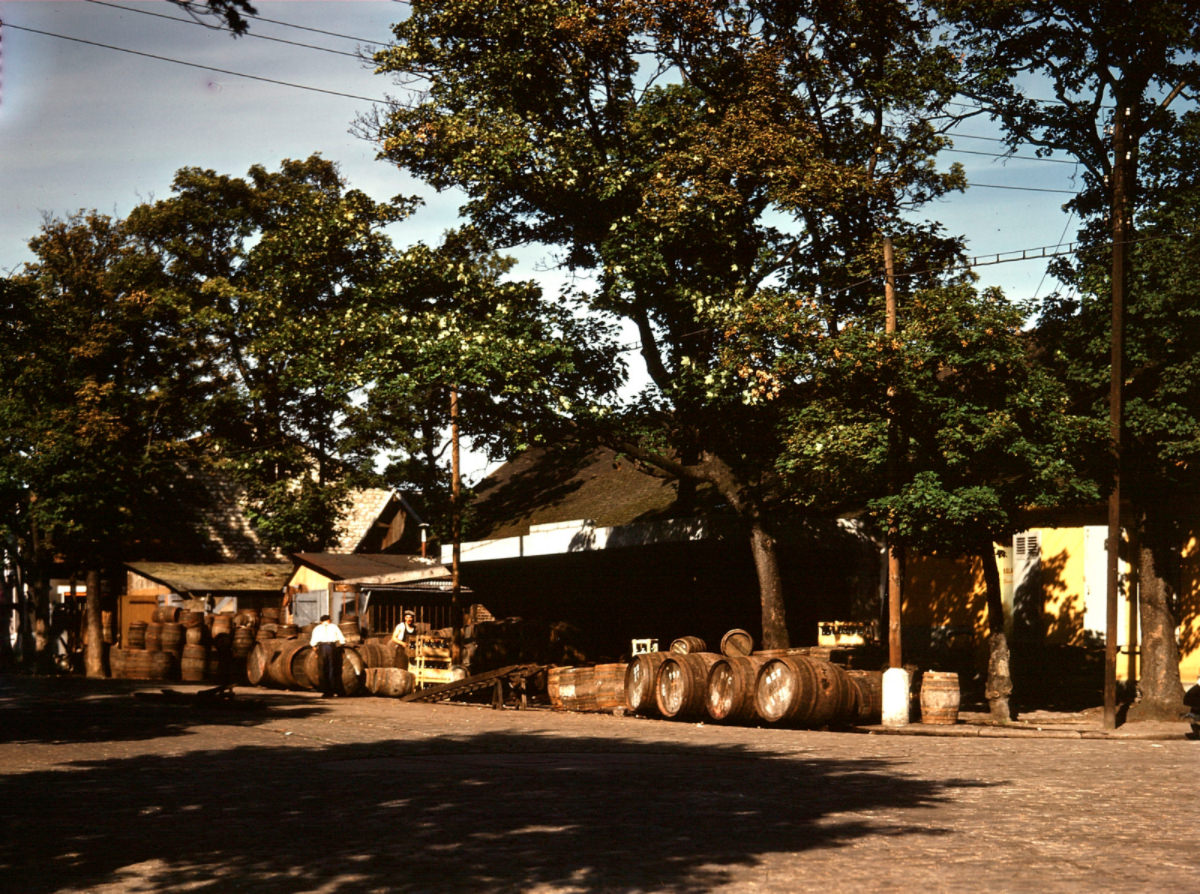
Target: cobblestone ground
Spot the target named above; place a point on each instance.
(103, 791)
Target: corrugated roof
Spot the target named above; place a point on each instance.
(227, 578)
(550, 485)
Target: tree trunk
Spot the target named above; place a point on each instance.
(999, 673)
(770, 586)
(1161, 687)
(8, 603)
(93, 656)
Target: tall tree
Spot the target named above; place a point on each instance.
(96, 399)
(1113, 68)
(689, 155)
(268, 270)
(950, 427)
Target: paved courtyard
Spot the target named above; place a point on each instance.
(104, 791)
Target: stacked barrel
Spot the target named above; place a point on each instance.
(793, 687)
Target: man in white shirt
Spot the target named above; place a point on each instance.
(402, 636)
(326, 638)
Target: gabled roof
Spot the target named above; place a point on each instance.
(546, 486)
(199, 580)
(366, 506)
(350, 566)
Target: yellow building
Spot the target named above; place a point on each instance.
(1054, 584)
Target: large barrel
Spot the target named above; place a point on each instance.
(167, 614)
(259, 660)
(681, 684)
(243, 641)
(222, 623)
(192, 663)
(351, 629)
(868, 687)
(163, 666)
(137, 635)
(801, 691)
(939, 697)
(191, 618)
(154, 636)
(377, 654)
(353, 670)
(137, 664)
(600, 688)
(731, 688)
(279, 668)
(172, 638)
(736, 643)
(389, 682)
(685, 644)
(639, 682)
(194, 635)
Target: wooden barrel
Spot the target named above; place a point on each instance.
(681, 684)
(601, 688)
(167, 614)
(737, 643)
(266, 630)
(222, 623)
(193, 663)
(287, 631)
(195, 635)
(685, 644)
(243, 641)
(350, 629)
(279, 668)
(247, 617)
(270, 613)
(353, 670)
(154, 636)
(802, 691)
(137, 665)
(731, 688)
(137, 636)
(939, 697)
(190, 618)
(560, 688)
(639, 682)
(868, 687)
(258, 660)
(377, 654)
(172, 638)
(163, 666)
(388, 682)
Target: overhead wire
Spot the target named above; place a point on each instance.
(237, 74)
(223, 28)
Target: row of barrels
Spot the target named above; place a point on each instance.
(294, 664)
(794, 689)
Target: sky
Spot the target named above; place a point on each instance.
(86, 127)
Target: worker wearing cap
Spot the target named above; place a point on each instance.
(404, 631)
(326, 639)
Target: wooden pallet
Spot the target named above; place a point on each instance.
(515, 675)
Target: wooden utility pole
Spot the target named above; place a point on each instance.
(456, 533)
(893, 535)
(1120, 235)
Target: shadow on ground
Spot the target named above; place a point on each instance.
(50, 710)
(498, 811)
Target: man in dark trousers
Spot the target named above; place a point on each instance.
(326, 639)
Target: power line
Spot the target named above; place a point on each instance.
(159, 15)
(306, 28)
(1069, 192)
(236, 74)
(1057, 161)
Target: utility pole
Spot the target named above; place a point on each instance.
(1120, 235)
(456, 533)
(895, 678)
